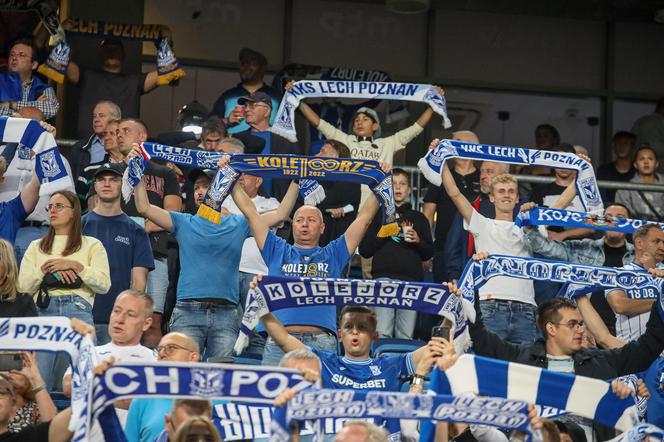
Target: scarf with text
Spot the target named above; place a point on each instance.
(284, 123)
(298, 167)
(248, 384)
(431, 164)
(31, 137)
(315, 404)
(55, 334)
(578, 279)
(545, 216)
(580, 395)
(276, 292)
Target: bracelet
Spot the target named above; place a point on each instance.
(38, 389)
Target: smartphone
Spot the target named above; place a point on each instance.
(11, 361)
(441, 331)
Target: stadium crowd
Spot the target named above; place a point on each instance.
(150, 279)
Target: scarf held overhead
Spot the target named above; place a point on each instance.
(545, 216)
(275, 293)
(284, 123)
(55, 334)
(583, 396)
(31, 137)
(431, 164)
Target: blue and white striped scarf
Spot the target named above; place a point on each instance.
(580, 395)
(579, 279)
(284, 122)
(31, 137)
(545, 216)
(317, 404)
(277, 292)
(54, 334)
(431, 164)
(641, 433)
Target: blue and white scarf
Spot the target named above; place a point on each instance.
(579, 279)
(316, 404)
(31, 137)
(580, 395)
(54, 334)
(276, 292)
(545, 216)
(284, 123)
(641, 433)
(431, 164)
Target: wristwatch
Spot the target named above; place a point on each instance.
(418, 380)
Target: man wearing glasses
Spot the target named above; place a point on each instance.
(145, 420)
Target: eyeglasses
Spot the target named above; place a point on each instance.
(572, 325)
(168, 349)
(252, 105)
(58, 207)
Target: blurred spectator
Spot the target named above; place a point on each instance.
(88, 154)
(230, 145)
(183, 409)
(110, 142)
(32, 403)
(361, 431)
(14, 211)
(145, 420)
(127, 245)
(642, 204)
(73, 268)
(252, 72)
(621, 169)
(570, 432)
(413, 245)
(546, 136)
(12, 303)
(197, 428)
(35, 92)
(439, 208)
(649, 130)
(257, 108)
(109, 83)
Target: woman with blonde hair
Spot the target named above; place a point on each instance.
(65, 270)
(12, 303)
(197, 429)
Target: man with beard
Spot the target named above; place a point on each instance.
(126, 243)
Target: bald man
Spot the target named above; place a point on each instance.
(314, 326)
(361, 431)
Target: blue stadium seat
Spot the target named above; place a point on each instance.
(249, 359)
(395, 346)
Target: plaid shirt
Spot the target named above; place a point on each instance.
(48, 102)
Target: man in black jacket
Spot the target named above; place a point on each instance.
(399, 257)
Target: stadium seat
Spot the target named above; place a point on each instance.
(249, 359)
(395, 346)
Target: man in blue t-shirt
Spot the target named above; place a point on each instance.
(126, 243)
(14, 211)
(208, 285)
(315, 326)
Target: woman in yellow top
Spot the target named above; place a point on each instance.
(68, 255)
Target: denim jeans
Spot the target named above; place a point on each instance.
(214, 326)
(512, 321)
(52, 366)
(24, 236)
(393, 323)
(256, 340)
(157, 285)
(318, 340)
(101, 330)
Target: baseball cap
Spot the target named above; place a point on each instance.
(256, 97)
(372, 114)
(194, 174)
(111, 168)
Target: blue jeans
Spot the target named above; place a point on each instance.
(318, 340)
(256, 340)
(24, 236)
(101, 330)
(512, 321)
(394, 323)
(214, 326)
(157, 285)
(52, 365)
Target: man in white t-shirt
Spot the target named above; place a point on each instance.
(508, 304)
(251, 261)
(130, 317)
(633, 309)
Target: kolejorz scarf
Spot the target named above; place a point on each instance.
(284, 123)
(316, 404)
(580, 395)
(276, 292)
(31, 137)
(545, 216)
(579, 279)
(168, 67)
(239, 383)
(54, 334)
(431, 164)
